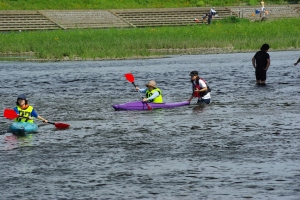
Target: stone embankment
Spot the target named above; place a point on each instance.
(126, 18)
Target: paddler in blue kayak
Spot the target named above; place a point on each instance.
(25, 111)
(153, 93)
(200, 89)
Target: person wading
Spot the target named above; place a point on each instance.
(261, 64)
(200, 89)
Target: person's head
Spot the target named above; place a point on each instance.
(194, 75)
(264, 47)
(21, 100)
(151, 85)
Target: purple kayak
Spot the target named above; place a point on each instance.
(139, 105)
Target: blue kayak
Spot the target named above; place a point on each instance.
(23, 128)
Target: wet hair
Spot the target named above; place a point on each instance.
(26, 102)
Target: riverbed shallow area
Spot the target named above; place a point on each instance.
(244, 145)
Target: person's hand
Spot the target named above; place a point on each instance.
(145, 99)
(137, 88)
(45, 121)
(197, 90)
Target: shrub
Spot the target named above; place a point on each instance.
(200, 4)
(233, 19)
(253, 2)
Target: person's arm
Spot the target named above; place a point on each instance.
(296, 63)
(268, 64)
(203, 85)
(43, 119)
(190, 99)
(16, 110)
(143, 90)
(202, 90)
(192, 96)
(34, 114)
(253, 62)
(153, 96)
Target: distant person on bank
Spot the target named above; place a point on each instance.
(262, 9)
(209, 18)
(261, 63)
(213, 11)
(296, 63)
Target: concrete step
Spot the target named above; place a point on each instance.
(27, 22)
(72, 19)
(86, 26)
(27, 28)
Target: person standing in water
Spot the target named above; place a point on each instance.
(261, 64)
(296, 63)
(200, 89)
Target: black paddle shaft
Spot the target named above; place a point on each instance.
(138, 91)
(134, 84)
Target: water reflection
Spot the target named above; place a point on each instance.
(12, 141)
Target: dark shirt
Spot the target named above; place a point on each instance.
(261, 59)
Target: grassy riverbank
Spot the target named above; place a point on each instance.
(220, 37)
(125, 4)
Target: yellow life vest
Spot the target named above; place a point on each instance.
(24, 114)
(158, 99)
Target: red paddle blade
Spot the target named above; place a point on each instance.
(10, 114)
(60, 125)
(149, 107)
(129, 77)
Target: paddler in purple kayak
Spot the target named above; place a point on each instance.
(153, 93)
(200, 89)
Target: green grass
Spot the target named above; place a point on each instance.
(239, 34)
(123, 4)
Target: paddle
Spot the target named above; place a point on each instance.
(130, 78)
(11, 114)
(59, 125)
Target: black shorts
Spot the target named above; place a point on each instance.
(261, 74)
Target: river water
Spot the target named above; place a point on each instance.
(245, 144)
